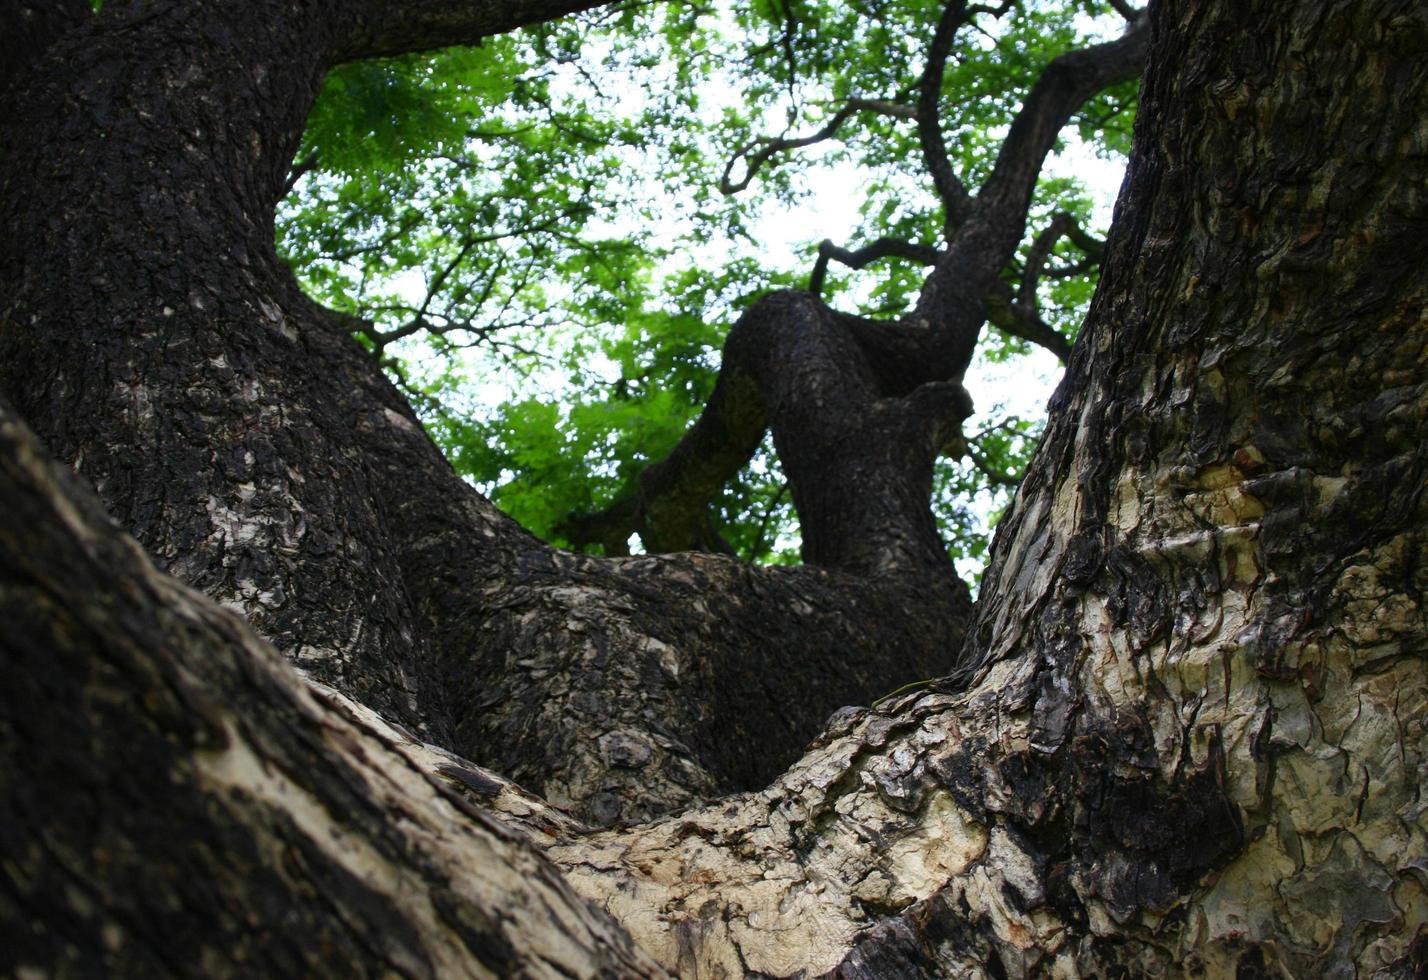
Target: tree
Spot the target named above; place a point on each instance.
(1183, 732)
(513, 153)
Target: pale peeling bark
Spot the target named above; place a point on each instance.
(1196, 740)
(204, 812)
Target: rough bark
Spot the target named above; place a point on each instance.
(28, 28)
(1190, 739)
(176, 801)
(155, 342)
(1188, 735)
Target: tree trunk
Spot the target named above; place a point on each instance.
(1189, 736)
(1185, 734)
(259, 454)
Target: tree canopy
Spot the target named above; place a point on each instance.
(547, 237)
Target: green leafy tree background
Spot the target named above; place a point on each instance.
(546, 237)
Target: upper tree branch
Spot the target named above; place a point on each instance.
(953, 302)
(929, 118)
(299, 170)
(1065, 83)
(992, 472)
(880, 249)
(1009, 316)
(380, 28)
(1062, 226)
(757, 153)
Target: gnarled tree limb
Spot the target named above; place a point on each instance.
(949, 188)
(951, 304)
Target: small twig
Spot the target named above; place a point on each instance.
(992, 473)
(296, 174)
(758, 152)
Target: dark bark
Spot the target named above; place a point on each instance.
(1188, 739)
(380, 29)
(257, 452)
(29, 27)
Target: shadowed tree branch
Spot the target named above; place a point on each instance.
(860, 258)
(951, 305)
(949, 187)
(912, 366)
(379, 29)
(1010, 316)
(1068, 81)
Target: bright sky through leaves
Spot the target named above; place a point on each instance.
(548, 203)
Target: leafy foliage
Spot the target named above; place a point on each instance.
(535, 230)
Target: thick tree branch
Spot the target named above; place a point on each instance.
(1068, 81)
(929, 117)
(380, 28)
(222, 749)
(858, 455)
(952, 305)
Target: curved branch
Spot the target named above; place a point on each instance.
(858, 461)
(757, 153)
(1010, 316)
(1063, 225)
(954, 299)
(228, 736)
(1067, 81)
(860, 258)
(298, 171)
(992, 473)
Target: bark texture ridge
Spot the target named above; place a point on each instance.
(1191, 737)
